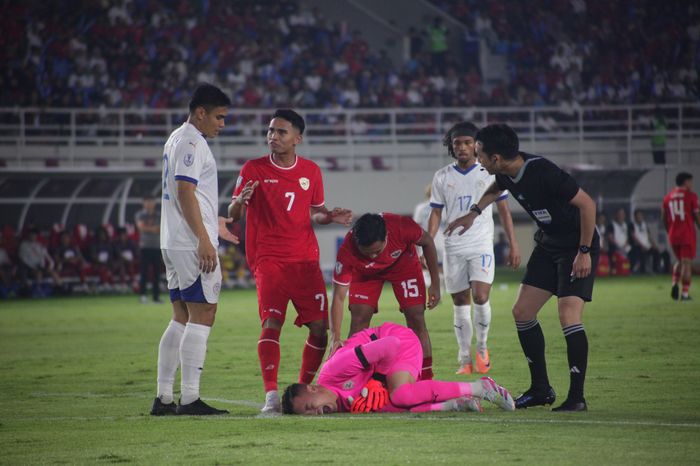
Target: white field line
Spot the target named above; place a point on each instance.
(415, 418)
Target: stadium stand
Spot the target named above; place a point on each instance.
(90, 91)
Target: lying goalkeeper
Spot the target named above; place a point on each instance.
(346, 383)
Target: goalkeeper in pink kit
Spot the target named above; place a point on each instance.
(393, 352)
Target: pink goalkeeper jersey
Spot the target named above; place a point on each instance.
(385, 349)
(278, 222)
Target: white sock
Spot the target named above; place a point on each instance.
(463, 332)
(193, 350)
(482, 322)
(168, 360)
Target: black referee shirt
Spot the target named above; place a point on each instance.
(544, 190)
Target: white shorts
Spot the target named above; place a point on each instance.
(464, 267)
(186, 282)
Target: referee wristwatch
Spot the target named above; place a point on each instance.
(584, 249)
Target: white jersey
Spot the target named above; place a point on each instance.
(187, 157)
(455, 190)
(421, 215)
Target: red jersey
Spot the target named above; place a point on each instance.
(402, 233)
(278, 221)
(681, 206)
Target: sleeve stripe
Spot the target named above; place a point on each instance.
(436, 205)
(186, 178)
(505, 196)
(319, 205)
(341, 283)
(361, 357)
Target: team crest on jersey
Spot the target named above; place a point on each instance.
(189, 160)
(395, 254)
(348, 385)
(338, 268)
(304, 183)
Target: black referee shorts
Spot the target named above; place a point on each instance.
(549, 268)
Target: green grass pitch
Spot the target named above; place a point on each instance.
(78, 378)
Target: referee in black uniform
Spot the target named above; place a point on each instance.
(565, 254)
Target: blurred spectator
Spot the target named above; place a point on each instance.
(148, 224)
(6, 272)
(125, 257)
(68, 258)
(102, 257)
(619, 240)
(644, 248)
(501, 249)
(658, 137)
(35, 264)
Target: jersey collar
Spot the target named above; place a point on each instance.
(464, 172)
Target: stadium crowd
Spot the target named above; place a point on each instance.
(139, 53)
(60, 261)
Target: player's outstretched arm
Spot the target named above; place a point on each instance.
(507, 221)
(237, 207)
(225, 233)
(430, 254)
(336, 316)
(193, 216)
(323, 216)
(463, 223)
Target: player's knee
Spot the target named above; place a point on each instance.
(519, 313)
(401, 397)
(481, 297)
(272, 323)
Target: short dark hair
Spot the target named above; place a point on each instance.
(682, 177)
(499, 139)
(290, 393)
(463, 128)
(369, 229)
(208, 96)
(291, 116)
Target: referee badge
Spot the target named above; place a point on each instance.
(304, 183)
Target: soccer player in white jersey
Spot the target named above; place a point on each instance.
(189, 236)
(469, 263)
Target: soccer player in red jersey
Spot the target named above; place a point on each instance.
(680, 211)
(381, 248)
(279, 194)
(393, 352)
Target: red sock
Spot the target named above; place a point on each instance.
(685, 288)
(427, 372)
(312, 357)
(675, 275)
(269, 355)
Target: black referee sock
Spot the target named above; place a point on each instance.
(577, 353)
(532, 341)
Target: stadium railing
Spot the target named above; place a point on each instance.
(345, 139)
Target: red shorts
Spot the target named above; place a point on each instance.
(405, 276)
(684, 251)
(300, 282)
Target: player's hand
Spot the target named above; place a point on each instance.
(336, 344)
(373, 397)
(340, 215)
(247, 192)
(207, 256)
(460, 225)
(582, 266)
(225, 233)
(433, 295)
(514, 257)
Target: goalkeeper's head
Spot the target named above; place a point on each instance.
(311, 400)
